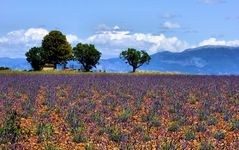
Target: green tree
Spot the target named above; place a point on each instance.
(56, 48)
(87, 55)
(36, 57)
(135, 58)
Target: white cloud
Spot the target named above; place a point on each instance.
(16, 43)
(116, 28)
(112, 42)
(214, 41)
(24, 36)
(72, 38)
(171, 25)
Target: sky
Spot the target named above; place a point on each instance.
(115, 25)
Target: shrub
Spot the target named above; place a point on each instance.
(173, 128)
(96, 117)
(138, 128)
(78, 134)
(73, 118)
(44, 131)
(11, 131)
(146, 138)
(206, 146)
(189, 135)
(155, 121)
(227, 116)
(152, 119)
(192, 99)
(89, 147)
(219, 135)
(212, 121)
(4, 68)
(235, 125)
(125, 115)
(115, 135)
(50, 147)
(168, 146)
(78, 138)
(201, 128)
(202, 116)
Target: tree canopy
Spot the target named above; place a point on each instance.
(135, 58)
(56, 48)
(36, 57)
(87, 55)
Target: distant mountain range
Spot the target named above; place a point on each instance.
(201, 60)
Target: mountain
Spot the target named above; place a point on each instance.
(201, 60)
(15, 63)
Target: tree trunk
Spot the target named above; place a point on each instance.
(87, 69)
(134, 69)
(55, 66)
(64, 66)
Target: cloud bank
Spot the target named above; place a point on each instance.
(16, 43)
(109, 40)
(214, 41)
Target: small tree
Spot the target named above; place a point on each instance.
(135, 58)
(56, 48)
(35, 56)
(87, 55)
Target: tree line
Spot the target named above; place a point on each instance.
(55, 49)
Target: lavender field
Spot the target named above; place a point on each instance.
(121, 111)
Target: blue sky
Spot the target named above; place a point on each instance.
(114, 25)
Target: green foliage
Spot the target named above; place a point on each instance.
(173, 128)
(146, 138)
(135, 58)
(44, 131)
(212, 121)
(28, 107)
(155, 121)
(168, 146)
(138, 128)
(115, 135)
(219, 135)
(56, 48)
(11, 131)
(87, 55)
(201, 128)
(125, 115)
(73, 118)
(50, 147)
(206, 146)
(189, 135)
(78, 138)
(203, 116)
(235, 125)
(89, 147)
(4, 68)
(36, 57)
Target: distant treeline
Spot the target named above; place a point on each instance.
(4, 68)
(55, 49)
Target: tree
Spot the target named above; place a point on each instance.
(87, 55)
(135, 58)
(56, 48)
(36, 57)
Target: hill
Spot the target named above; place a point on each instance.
(201, 60)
